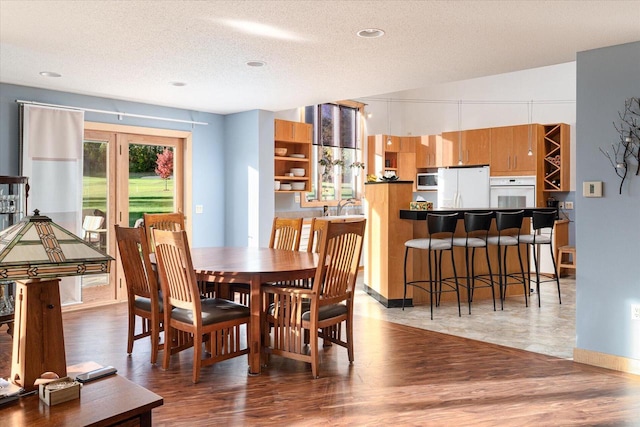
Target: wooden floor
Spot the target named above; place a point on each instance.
(402, 376)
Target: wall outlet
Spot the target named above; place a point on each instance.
(635, 311)
(561, 205)
(199, 209)
(568, 205)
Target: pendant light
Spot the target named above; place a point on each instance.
(530, 112)
(460, 132)
(389, 142)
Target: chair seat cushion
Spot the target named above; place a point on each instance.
(327, 312)
(145, 303)
(436, 244)
(502, 241)
(542, 239)
(214, 310)
(472, 242)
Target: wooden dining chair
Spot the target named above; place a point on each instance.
(214, 320)
(286, 233)
(143, 299)
(173, 221)
(320, 309)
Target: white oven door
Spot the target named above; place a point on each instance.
(513, 196)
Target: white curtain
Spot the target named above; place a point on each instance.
(52, 142)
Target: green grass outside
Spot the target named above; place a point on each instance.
(147, 194)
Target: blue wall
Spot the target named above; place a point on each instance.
(607, 232)
(207, 151)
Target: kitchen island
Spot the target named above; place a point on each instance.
(391, 223)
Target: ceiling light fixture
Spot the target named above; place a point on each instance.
(177, 84)
(49, 74)
(530, 118)
(370, 33)
(389, 141)
(460, 132)
(256, 63)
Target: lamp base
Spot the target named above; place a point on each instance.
(38, 341)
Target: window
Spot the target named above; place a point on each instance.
(336, 148)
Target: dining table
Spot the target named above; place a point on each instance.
(255, 267)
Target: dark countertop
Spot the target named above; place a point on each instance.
(389, 182)
(422, 215)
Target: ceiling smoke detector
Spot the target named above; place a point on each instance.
(256, 63)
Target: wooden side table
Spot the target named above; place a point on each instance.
(108, 401)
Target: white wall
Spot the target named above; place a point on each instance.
(499, 100)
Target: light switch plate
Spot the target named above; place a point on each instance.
(592, 189)
(199, 209)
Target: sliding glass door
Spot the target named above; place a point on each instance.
(124, 176)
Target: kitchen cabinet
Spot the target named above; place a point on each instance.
(296, 138)
(450, 148)
(288, 131)
(555, 157)
(509, 150)
(467, 147)
(427, 151)
(398, 157)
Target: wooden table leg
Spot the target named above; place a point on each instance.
(255, 305)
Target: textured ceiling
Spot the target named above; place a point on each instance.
(131, 49)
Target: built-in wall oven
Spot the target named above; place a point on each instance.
(513, 191)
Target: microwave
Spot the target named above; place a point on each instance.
(427, 181)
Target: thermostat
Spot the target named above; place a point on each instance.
(592, 189)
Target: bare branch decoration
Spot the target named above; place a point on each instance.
(627, 150)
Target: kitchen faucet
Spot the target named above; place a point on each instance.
(342, 205)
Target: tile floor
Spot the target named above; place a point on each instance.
(549, 329)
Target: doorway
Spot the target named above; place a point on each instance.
(127, 171)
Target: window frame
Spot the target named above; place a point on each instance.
(316, 149)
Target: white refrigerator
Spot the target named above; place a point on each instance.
(463, 187)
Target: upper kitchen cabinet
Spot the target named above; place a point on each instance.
(292, 164)
(476, 147)
(553, 164)
(408, 144)
(450, 148)
(510, 147)
(427, 151)
(467, 147)
(391, 143)
(286, 131)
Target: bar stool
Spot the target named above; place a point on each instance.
(536, 240)
(441, 229)
(476, 226)
(508, 225)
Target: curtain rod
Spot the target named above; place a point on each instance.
(114, 113)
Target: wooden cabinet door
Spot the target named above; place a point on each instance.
(501, 143)
(394, 147)
(422, 152)
(523, 139)
(476, 147)
(408, 144)
(302, 132)
(283, 130)
(450, 148)
(407, 167)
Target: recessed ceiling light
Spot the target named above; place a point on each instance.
(49, 74)
(256, 63)
(370, 33)
(177, 84)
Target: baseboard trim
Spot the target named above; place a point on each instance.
(608, 361)
(388, 303)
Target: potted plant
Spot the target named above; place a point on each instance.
(339, 163)
(324, 162)
(356, 166)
